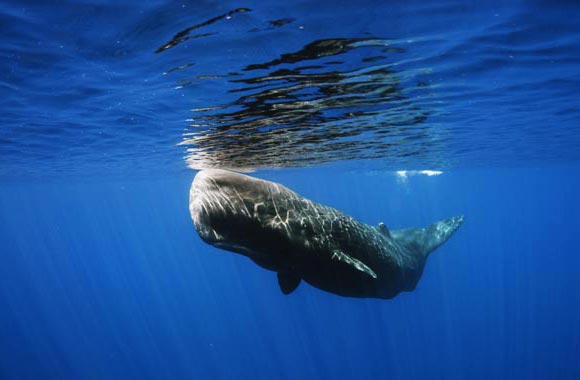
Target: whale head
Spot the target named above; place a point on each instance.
(233, 212)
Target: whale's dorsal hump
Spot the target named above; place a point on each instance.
(383, 229)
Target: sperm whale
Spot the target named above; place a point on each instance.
(302, 240)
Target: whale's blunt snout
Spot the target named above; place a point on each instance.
(198, 210)
(207, 181)
(207, 202)
(216, 202)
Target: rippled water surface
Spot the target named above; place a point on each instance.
(154, 88)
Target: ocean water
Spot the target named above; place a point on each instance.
(400, 112)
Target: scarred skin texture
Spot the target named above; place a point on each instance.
(303, 240)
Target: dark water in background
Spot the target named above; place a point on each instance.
(106, 108)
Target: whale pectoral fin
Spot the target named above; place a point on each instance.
(288, 282)
(355, 263)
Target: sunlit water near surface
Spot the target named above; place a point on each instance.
(129, 88)
(401, 112)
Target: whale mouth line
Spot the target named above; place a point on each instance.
(231, 246)
(238, 248)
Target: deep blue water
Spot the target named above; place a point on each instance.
(107, 109)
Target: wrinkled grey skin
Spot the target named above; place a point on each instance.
(303, 240)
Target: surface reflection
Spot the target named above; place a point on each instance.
(333, 99)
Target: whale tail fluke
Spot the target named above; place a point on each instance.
(438, 233)
(426, 240)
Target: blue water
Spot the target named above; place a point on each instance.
(109, 108)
